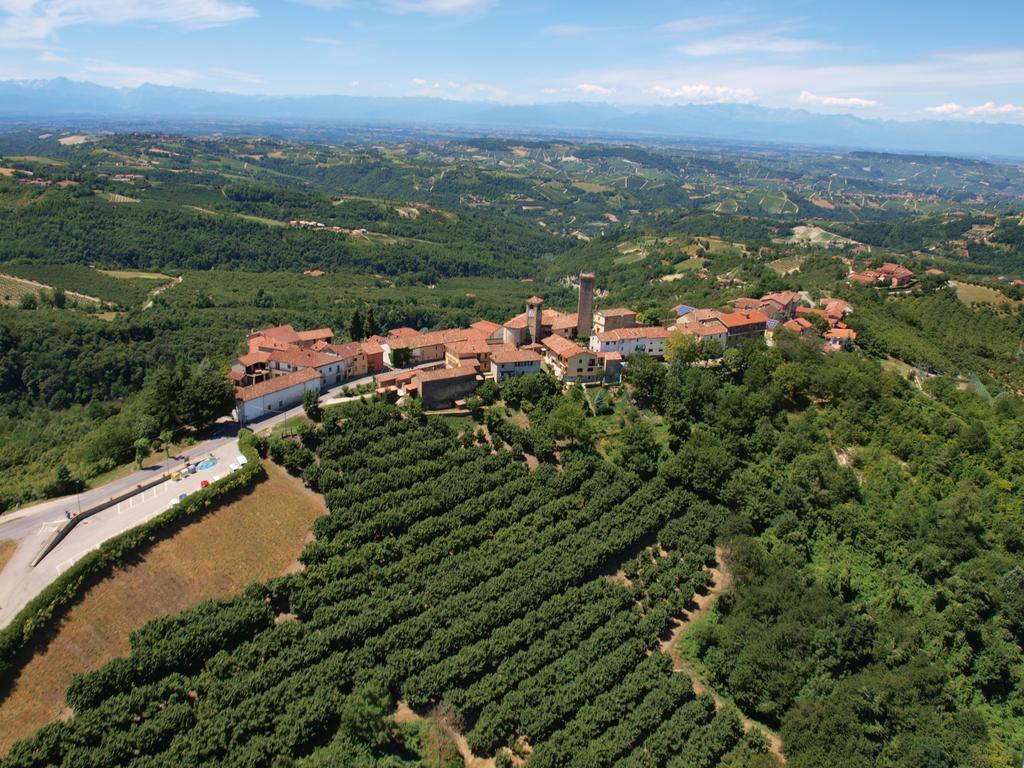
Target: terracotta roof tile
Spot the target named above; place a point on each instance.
(275, 384)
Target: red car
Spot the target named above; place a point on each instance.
(204, 483)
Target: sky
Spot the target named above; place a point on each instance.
(898, 59)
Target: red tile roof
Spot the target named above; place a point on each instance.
(279, 332)
(320, 334)
(486, 326)
(275, 384)
(468, 347)
(463, 372)
(434, 338)
(563, 347)
(565, 321)
(616, 312)
(702, 329)
(782, 297)
(535, 300)
(798, 325)
(346, 351)
(254, 358)
(738, 320)
(640, 332)
(303, 358)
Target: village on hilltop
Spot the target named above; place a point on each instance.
(443, 367)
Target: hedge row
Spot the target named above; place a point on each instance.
(40, 610)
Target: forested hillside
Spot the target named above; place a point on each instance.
(872, 530)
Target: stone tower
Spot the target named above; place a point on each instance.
(585, 311)
(534, 318)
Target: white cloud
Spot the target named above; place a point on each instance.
(851, 102)
(768, 42)
(988, 109)
(697, 23)
(439, 7)
(354, 84)
(28, 21)
(707, 94)
(594, 90)
(49, 57)
(566, 30)
(320, 40)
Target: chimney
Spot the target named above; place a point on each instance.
(585, 311)
(534, 318)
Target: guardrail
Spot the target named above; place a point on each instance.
(60, 534)
(40, 611)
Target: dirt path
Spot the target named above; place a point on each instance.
(721, 580)
(406, 715)
(160, 289)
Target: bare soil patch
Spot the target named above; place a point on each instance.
(6, 171)
(71, 141)
(7, 547)
(255, 537)
(404, 714)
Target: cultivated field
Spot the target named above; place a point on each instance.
(12, 289)
(970, 294)
(256, 537)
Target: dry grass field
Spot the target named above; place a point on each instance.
(116, 198)
(258, 536)
(129, 274)
(7, 547)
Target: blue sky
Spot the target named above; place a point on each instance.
(895, 59)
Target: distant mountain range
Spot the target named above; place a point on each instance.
(68, 99)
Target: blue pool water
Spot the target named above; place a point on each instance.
(209, 463)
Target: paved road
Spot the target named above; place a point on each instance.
(33, 526)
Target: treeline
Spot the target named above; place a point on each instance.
(91, 231)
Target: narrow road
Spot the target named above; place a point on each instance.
(32, 527)
(721, 581)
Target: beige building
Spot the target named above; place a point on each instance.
(572, 363)
(613, 319)
(629, 341)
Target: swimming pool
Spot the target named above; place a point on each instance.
(209, 463)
